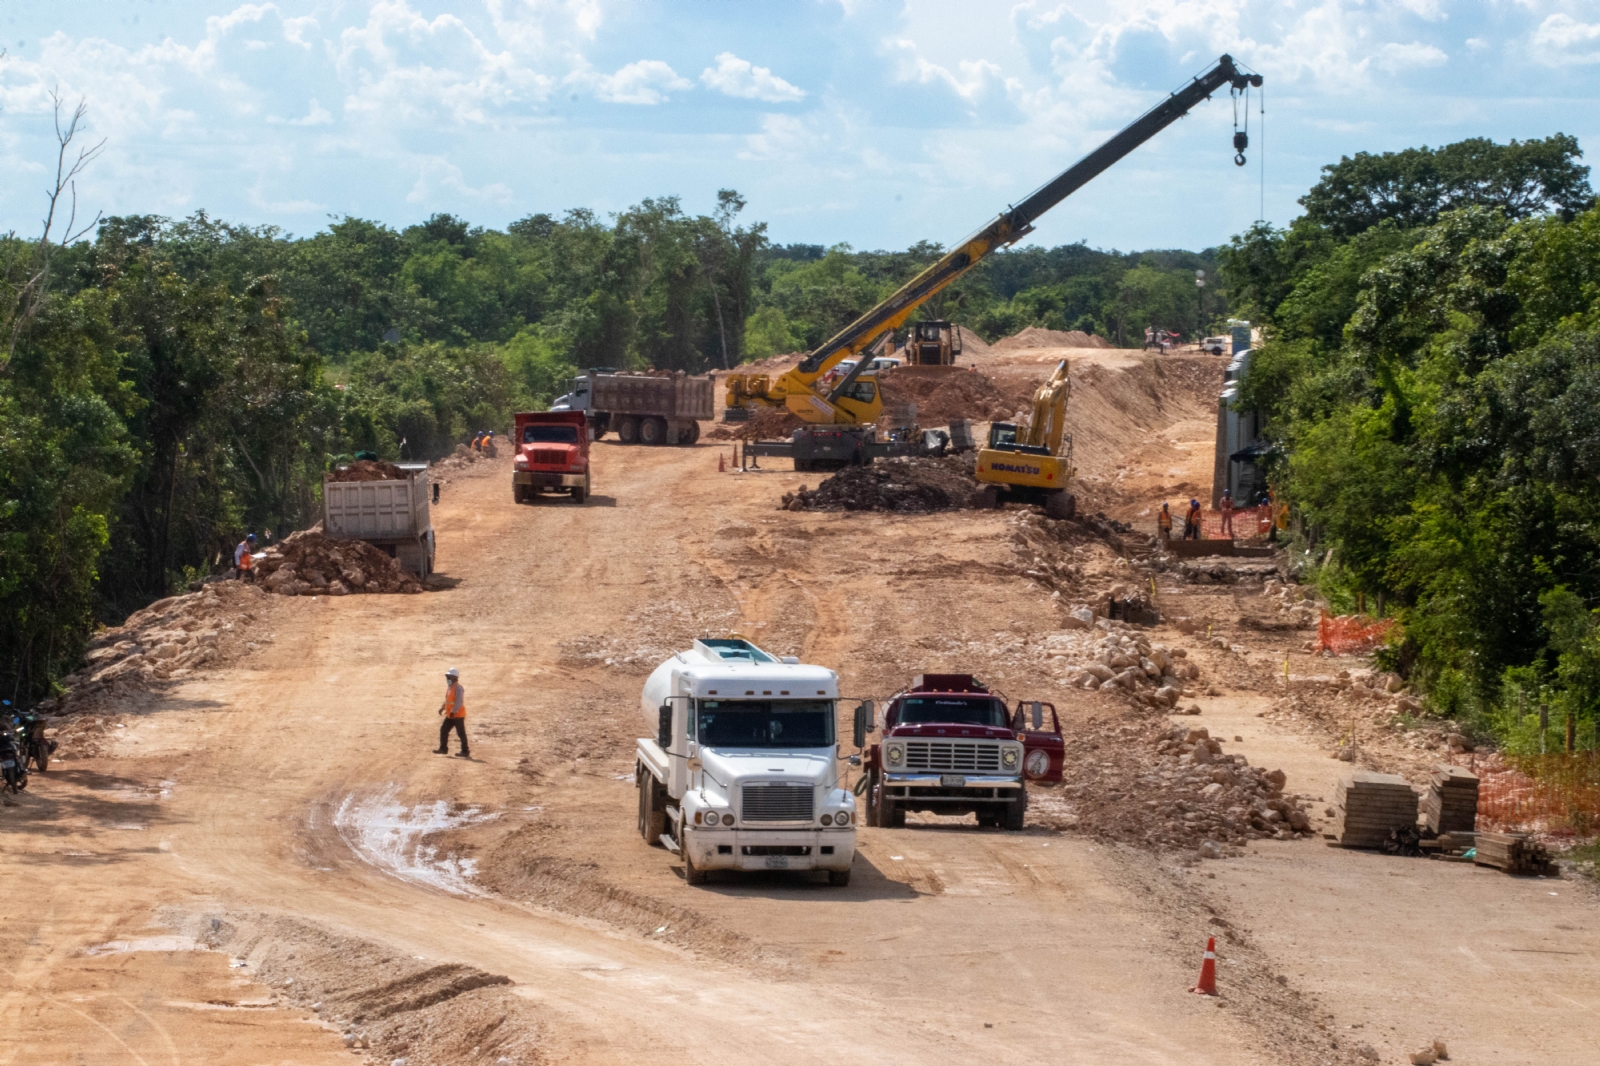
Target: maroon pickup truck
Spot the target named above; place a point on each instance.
(951, 746)
(552, 453)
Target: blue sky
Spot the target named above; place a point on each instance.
(876, 124)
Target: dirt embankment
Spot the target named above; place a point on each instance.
(944, 396)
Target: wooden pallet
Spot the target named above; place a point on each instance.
(1451, 804)
(1368, 806)
(1515, 853)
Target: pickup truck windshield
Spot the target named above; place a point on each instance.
(951, 710)
(549, 434)
(766, 723)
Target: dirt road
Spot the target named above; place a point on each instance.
(311, 865)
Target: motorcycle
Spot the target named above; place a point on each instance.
(12, 767)
(36, 748)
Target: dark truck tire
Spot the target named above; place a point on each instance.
(628, 431)
(890, 816)
(652, 431)
(652, 812)
(692, 874)
(839, 878)
(872, 800)
(516, 493)
(1017, 813)
(580, 492)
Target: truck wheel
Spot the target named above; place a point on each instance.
(692, 874)
(652, 816)
(516, 493)
(694, 434)
(580, 492)
(652, 431)
(872, 799)
(1061, 504)
(1017, 813)
(838, 878)
(628, 431)
(890, 816)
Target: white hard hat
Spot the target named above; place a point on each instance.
(452, 672)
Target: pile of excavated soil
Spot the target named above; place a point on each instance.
(462, 459)
(767, 423)
(943, 397)
(169, 639)
(310, 563)
(368, 470)
(1034, 337)
(910, 485)
(1162, 787)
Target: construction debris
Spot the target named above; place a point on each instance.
(765, 423)
(1515, 853)
(908, 484)
(1367, 806)
(310, 563)
(368, 470)
(1451, 804)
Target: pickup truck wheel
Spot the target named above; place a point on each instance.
(652, 431)
(652, 817)
(1017, 813)
(628, 431)
(838, 878)
(692, 874)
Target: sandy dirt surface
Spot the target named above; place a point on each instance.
(265, 862)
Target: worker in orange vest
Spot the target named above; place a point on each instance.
(244, 563)
(1164, 523)
(454, 709)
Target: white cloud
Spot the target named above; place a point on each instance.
(1561, 40)
(975, 76)
(1396, 58)
(317, 116)
(646, 81)
(1477, 44)
(436, 175)
(739, 77)
(294, 30)
(781, 137)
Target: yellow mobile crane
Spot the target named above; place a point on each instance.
(841, 419)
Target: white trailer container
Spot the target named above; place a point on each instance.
(391, 514)
(743, 770)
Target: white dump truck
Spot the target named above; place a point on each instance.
(743, 772)
(391, 513)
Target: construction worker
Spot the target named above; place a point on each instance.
(1226, 507)
(454, 709)
(1191, 521)
(244, 563)
(1164, 522)
(488, 444)
(477, 441)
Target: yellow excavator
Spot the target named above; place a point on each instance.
(1031, 462)
(841, 416)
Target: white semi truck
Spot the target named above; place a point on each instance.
(743, 772)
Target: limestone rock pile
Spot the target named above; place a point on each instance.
(310, 563)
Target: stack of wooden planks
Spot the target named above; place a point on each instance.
(1451, 805)
(1515, 853)
(1367, 806)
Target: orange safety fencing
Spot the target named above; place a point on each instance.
(1249, 524)
(1351, 633)
(1554, 795)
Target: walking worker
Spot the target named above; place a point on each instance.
(454, 709)
(1191, 521)
(1164, 522)
(1226, 507)
(244, 562)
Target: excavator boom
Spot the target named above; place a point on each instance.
(844, 403)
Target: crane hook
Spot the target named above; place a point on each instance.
(1241, 141)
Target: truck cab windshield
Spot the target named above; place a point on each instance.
(765, 723)
(951, 710)
(549, 434)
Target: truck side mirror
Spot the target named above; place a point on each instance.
(664, 727)
(1038, 715)
(864, 723)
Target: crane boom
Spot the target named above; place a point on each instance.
(795, 389)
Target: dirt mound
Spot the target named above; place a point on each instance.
(368, 470)
(168, 639)
(463, 459)
(1034, 337)
(971, 343)
(910, 485)
(310, 563)
(767, 423)
(942, 397)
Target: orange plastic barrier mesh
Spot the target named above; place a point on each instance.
(1249, 523)
(1347, 633)
(1554, 795)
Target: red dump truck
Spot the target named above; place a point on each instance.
(552, 454)
(950, 746)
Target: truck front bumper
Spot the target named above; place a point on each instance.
(770, 849)
(943, 788)
(547, 480)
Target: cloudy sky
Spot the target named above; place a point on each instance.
(872, 123)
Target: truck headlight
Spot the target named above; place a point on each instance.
(895, 753)
(727, 819)
(827, 819)
(1009, 758)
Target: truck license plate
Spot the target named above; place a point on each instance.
(777, 862)
(952, 781)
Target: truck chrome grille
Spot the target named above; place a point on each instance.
(778, 803)
(952, 755)
(548, 457)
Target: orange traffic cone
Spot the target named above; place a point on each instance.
(1208, 970)
(722, 464)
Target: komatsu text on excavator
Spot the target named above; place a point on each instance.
(841, 416)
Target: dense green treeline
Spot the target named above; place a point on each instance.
(1432, 376)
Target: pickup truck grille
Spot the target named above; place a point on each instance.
(960, 756)
(548, 457)
(778, 803)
